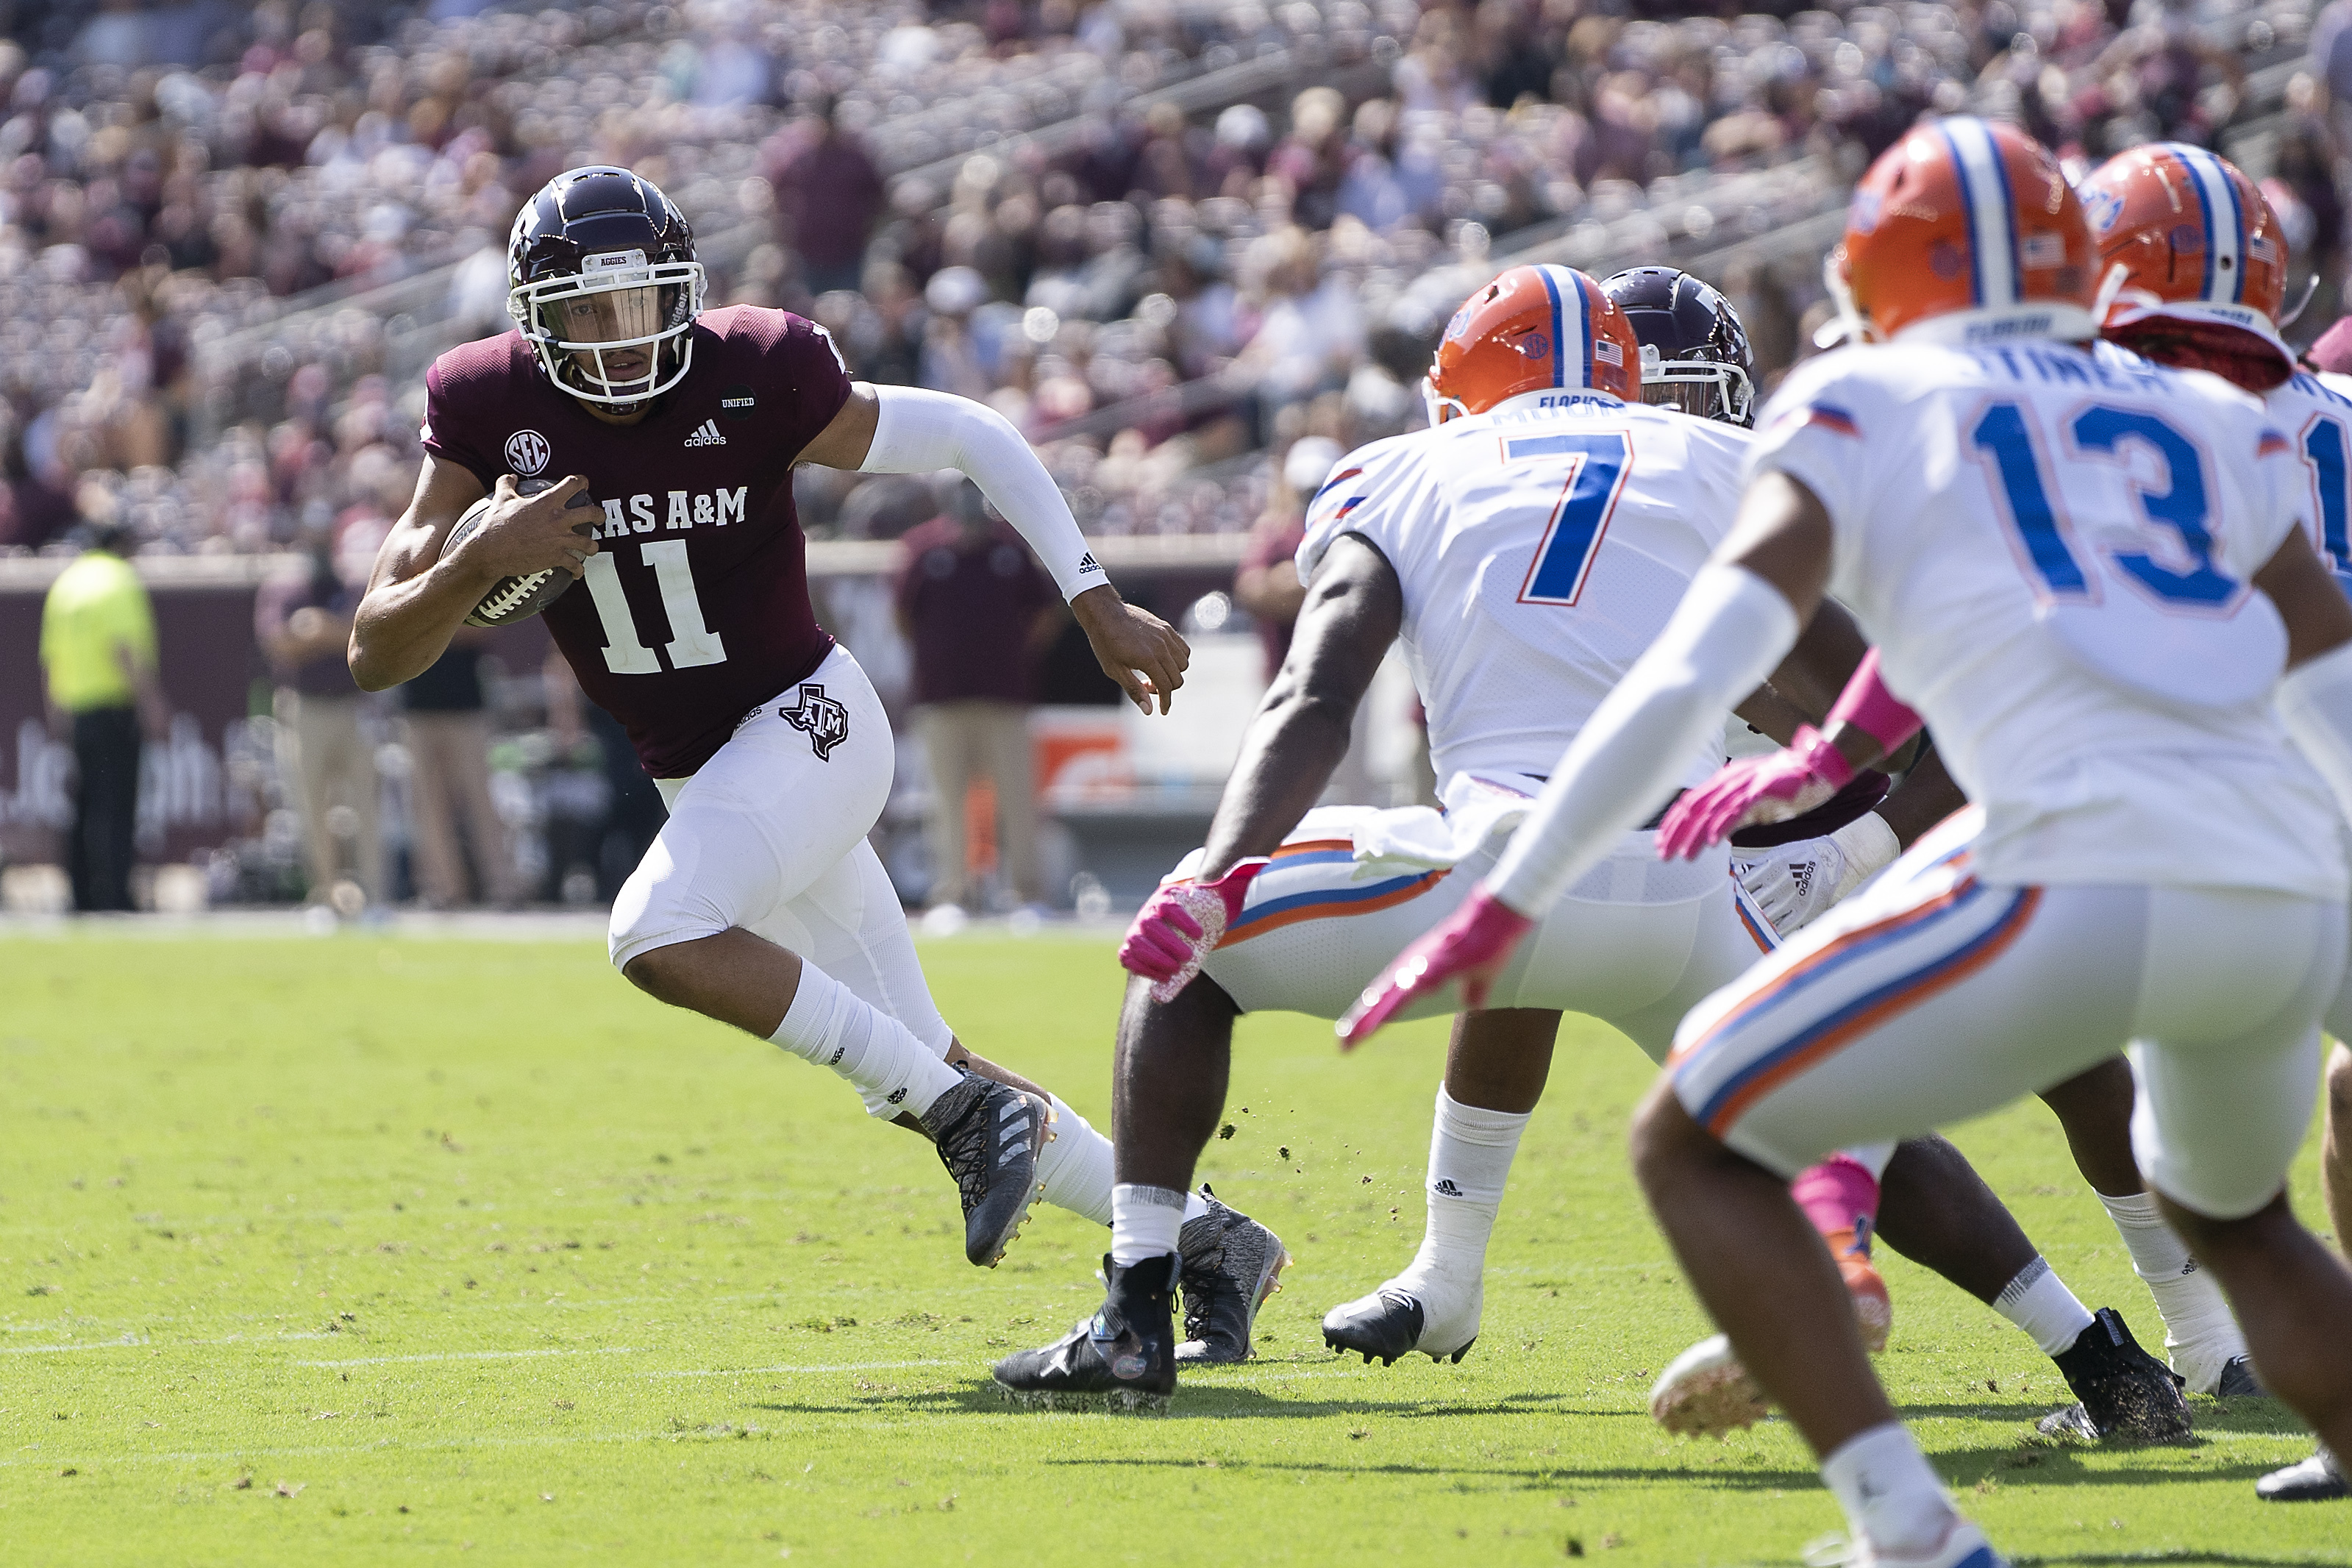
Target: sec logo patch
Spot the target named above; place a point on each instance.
(527, 452)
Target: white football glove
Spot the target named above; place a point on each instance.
(1793, 883)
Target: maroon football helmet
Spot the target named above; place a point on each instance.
(601, 278)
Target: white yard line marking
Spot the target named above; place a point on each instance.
(756, 1371)
(473, 1356)
(128, 1342)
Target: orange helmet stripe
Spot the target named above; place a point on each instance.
(2216, 194)
(1991, 213)
(1558, 335)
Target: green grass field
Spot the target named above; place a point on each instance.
(401, 1250)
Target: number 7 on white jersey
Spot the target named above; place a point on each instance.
(1595, 474)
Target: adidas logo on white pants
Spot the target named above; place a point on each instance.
(706, 436)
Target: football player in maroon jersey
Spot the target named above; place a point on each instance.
(761, 903)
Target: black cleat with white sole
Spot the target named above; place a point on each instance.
(2319, 1479)
(1387, 1323)
(1125, 1356)
(989, 1135)
(1231, 1264)
(2122, 1391)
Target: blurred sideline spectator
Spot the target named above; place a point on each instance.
(449, 776)
(978, 610)
(1267, 584)
(98, 648)
(828, 194)
(303, 623)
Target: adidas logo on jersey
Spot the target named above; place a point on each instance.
(706, 436)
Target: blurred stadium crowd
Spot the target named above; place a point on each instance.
(1119, 222)
(1178, 243)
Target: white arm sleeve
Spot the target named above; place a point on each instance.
(2315, 699)
(1730, 630)
(917, 432)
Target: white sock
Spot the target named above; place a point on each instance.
(1075, 1170)
(830, 1024)
(1892, 1499)
(1144, 1222)
(2038, 1301)
(2198, 1327)
(1471, 1152)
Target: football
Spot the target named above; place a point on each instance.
(514, 599)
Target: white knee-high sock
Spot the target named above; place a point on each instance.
(831, 1025)
(2038, 1301)
(2199, 1328)
(1891, 1497)
(1145, 1222)
(1470, 1154)
(1075, 1169)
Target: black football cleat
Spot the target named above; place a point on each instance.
(989, 1135)
(2122, 1392)
(2238, 1381)
(1231, 1264)
(1124, 1355)
(1388, 1324)
(2319, 1479)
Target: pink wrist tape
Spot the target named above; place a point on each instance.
(1869, 707)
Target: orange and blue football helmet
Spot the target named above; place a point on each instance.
(1964, 232)
(2201, 256)
(1534, 329)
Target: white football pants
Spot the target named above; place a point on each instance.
(769, 835)
(1931, 997)
(1637, 943)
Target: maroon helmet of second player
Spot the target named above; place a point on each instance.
(601, 278)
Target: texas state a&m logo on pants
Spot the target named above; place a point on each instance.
(825, 721)
(527, 452)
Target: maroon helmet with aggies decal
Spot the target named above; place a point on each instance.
(601, 278)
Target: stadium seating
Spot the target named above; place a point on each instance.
(1121, 223)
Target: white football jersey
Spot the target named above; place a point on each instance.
(1541, 546)
(2052, 547)
(2314, 413)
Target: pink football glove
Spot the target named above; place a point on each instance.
(1794, 780)
(1788, 783)
(1474, 942)
(1181, 925)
